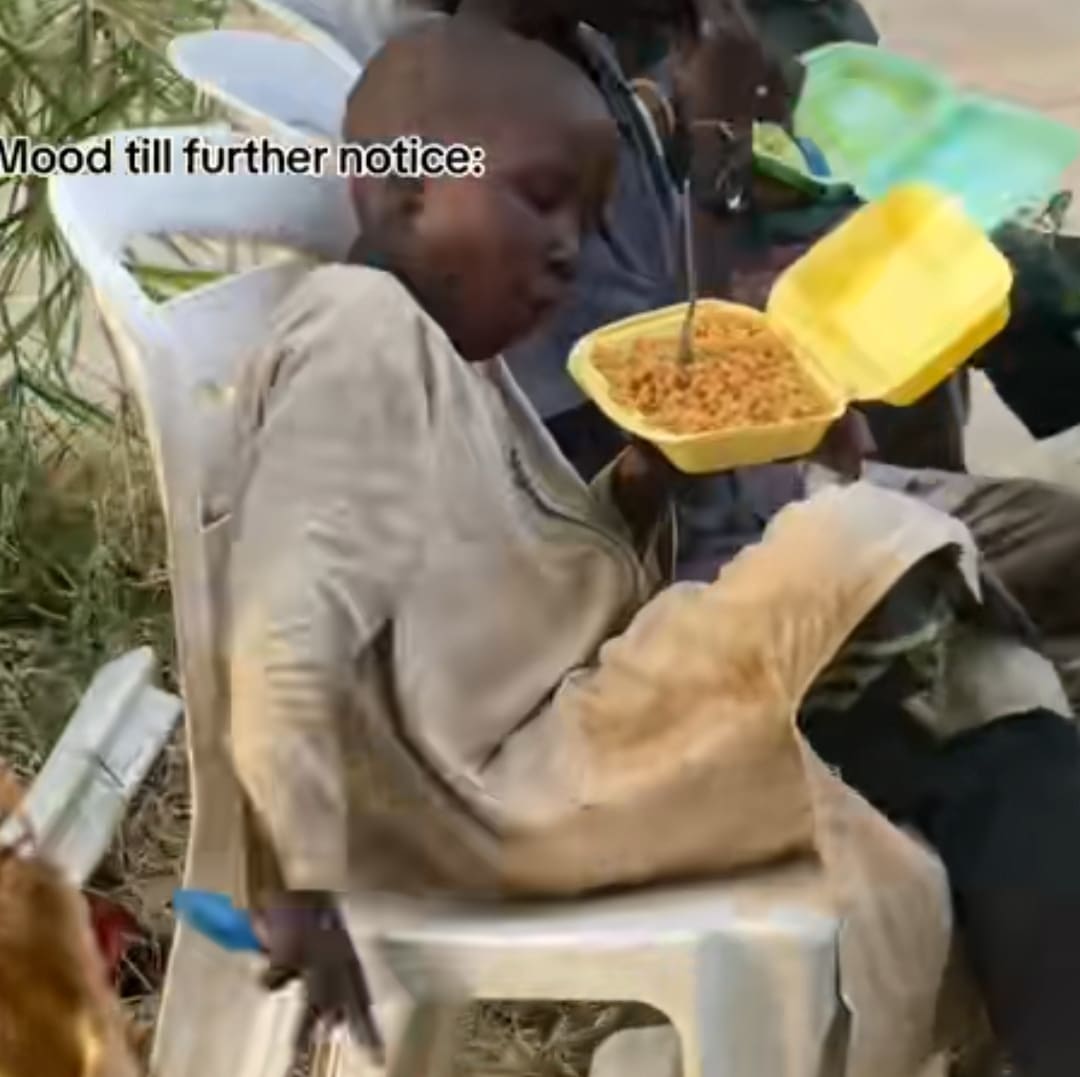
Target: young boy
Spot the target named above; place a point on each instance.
(451, 667)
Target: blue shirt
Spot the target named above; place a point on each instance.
(629, 269)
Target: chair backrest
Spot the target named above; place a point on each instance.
(315, 21)
(172, 353)
(291, 90)
(359, 27)
(100, 216)
(179, 358)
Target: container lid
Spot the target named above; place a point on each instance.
(860, 102)
(884, 121)
(890, 302)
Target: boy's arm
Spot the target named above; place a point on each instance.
(638, 485)
(330, 527)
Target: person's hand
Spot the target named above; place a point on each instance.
(305, 938)
(725, 71)
(642, 484)
(726, 78)
(847, 444)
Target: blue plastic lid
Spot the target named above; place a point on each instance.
(815, 159)
(215, 916)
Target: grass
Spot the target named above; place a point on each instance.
(82, 580)
(82, 554)
(82, 569)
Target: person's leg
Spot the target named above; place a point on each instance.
(1001, 806)
(1028, 533)
(1034, 363)
(929, 434)
(1005, 819)
(1035, 369)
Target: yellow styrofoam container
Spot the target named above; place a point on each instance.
(884, 308)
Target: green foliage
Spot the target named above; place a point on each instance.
(71, 70)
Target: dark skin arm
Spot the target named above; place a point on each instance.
(726, 78)
(305, 938)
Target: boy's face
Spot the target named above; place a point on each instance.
(492, 257)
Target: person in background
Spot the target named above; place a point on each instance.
(1028, 531)
(1034, 364)
(635, 264)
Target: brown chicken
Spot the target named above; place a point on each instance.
(58, 1014)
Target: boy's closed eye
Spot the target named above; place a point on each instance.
(547, 190)
(553, 190)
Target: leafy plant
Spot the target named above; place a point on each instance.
(71, 70)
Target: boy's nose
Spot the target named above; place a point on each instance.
(563, 263)
(564, 249)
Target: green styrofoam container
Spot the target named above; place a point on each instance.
(858, 102)
(883, 121)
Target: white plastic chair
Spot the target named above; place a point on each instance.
(746, 970)
(173, 356)
(356, 27)
(290, 90)
(312, 21)
(269, 85)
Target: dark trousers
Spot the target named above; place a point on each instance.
(1001, 806)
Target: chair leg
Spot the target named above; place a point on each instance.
(429, 1041)
(210, 996)
(423, 1043)
(639, 1052)
(340, 1057)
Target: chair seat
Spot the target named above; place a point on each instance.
(728, 962)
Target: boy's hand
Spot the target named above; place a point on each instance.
(642, 486)
(846, 445)
(305, 938)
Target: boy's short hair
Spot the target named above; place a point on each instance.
(462, 79)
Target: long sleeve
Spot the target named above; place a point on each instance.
(329, 526)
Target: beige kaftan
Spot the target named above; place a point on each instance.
(446, 670)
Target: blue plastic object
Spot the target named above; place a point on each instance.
(815, 159)
(215, 916)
